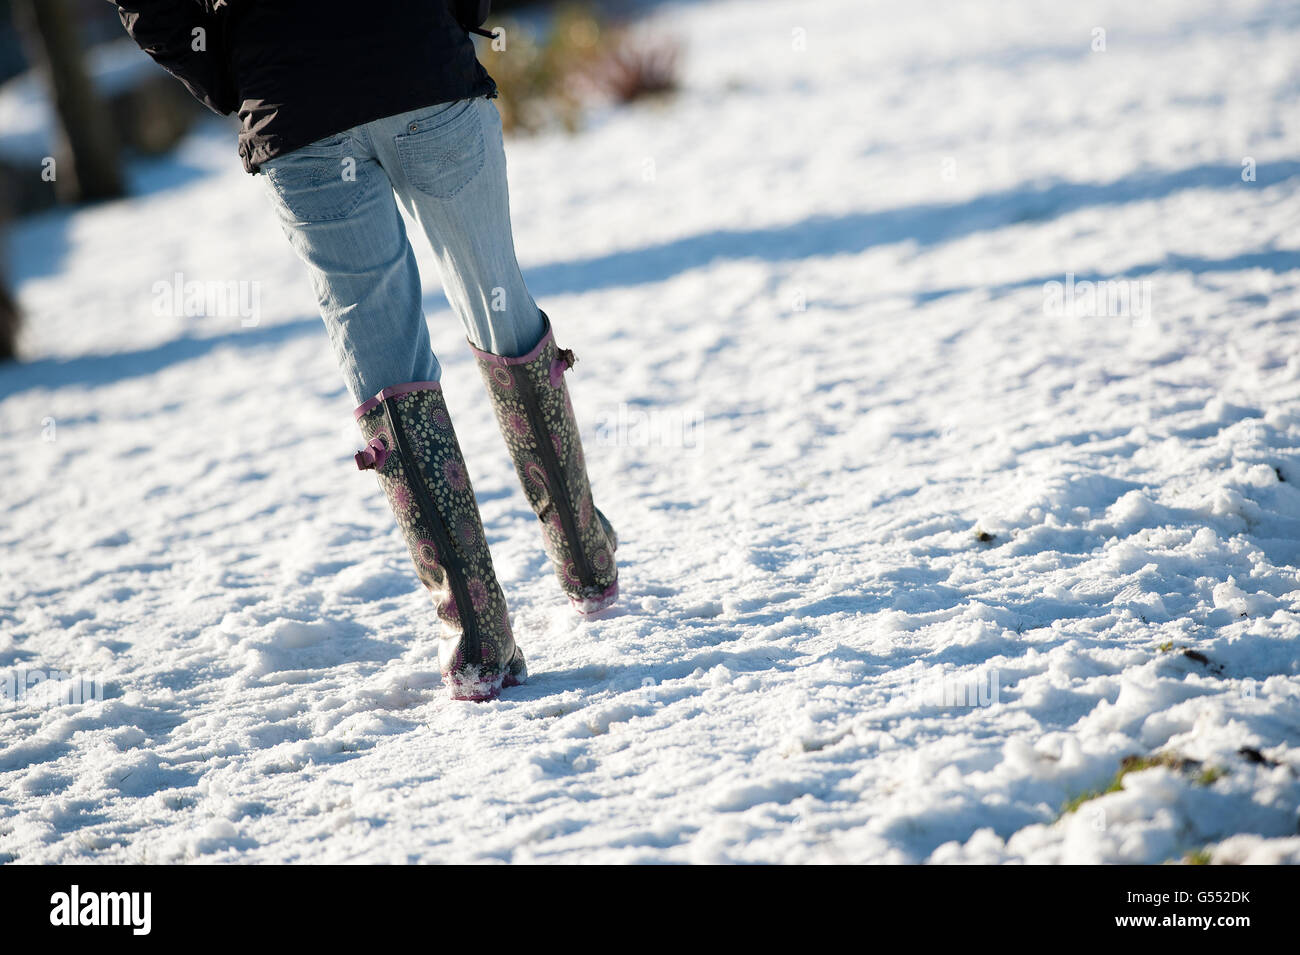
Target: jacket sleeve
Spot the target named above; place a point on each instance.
(188, 41)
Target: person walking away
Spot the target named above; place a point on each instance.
(347, 111)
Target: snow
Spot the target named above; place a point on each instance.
(811, 305)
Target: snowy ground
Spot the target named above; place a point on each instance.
(818, 360)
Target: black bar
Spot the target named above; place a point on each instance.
(300, 905)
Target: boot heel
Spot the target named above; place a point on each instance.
(472, 690)
(589, 605)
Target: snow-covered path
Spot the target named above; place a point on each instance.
(818, 362)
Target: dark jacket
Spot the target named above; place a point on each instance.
(299, 70)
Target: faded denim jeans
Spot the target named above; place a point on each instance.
(337, 201)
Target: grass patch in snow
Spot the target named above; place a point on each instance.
(1209, 776)
(1136, 764)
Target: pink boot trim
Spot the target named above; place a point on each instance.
(479, 691)
(590, 605)
(404, 389)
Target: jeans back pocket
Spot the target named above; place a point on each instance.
(442, 153)
(316, 183)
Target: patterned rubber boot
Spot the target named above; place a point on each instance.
(536, 417)
(411, 446)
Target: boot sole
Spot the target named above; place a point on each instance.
(480, 691)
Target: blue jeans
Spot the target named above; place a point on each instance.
(335, 199)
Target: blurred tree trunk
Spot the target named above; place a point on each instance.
(89, 166)
(10, 319)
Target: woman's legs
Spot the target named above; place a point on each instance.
(447, 164)
(336, 206)
(448, 168)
